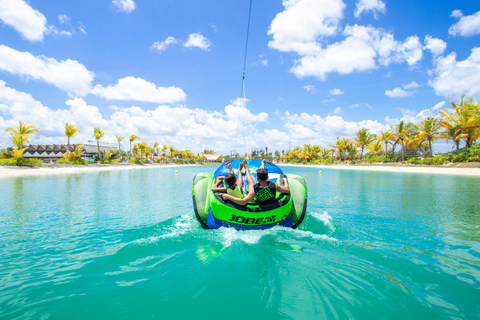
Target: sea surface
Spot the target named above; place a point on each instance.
(125, 245)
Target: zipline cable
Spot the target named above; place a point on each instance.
(242, 93)
(246, 42)
(243, 77)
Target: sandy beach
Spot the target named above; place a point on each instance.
(400, 168)
(7, 171)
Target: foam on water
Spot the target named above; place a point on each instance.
(182, 225)
(323, 217)
(229, 235)
(310, 234)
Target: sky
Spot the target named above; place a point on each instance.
(170, 71)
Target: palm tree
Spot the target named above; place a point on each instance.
(469, 119)
(172, 153)
(465, 118)
(400, 132)
(307, 151)
(375, 148)
(164, 150)
(21, 135)
(98, 134)
(148, 151)
(363, 139)
(155, 148)
(119, 139)
(417, 145)
(70, 131)
(429, 129)
(135, 150)
(143, 148)
(351, 150)
(316, 149)
(131, 139)
(385, 137)
(341, 147)
(188, 154)
(75, 154)
(277, 155)
(325, 153)
(449, 133)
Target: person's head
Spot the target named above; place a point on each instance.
(262, 174)
(230, 179)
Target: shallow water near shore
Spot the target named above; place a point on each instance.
(125, 244)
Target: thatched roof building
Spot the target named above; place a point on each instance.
(56, 151)
(211, 157)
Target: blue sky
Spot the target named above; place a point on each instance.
(170, 71)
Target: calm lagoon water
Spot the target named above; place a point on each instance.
(125, 245)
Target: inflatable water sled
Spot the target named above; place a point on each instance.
(212, 212)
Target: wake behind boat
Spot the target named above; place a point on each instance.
(213, 212)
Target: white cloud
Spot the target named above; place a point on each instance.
(357, 105)
(402, 93)
(67, 75)
(124, 5)
(410, 51)
(327, 101)
(262, 61)
(82, 29)
(21, 106)
(411, 85)
(179, 126)
(312, 128)
(438, 105)
(302, 22)
(409, 115)
(336, 92)
(30, 23)
(161, 46)
(456, 14)
(337, 110)
(452, 78)
(407, 112)
(436, 46)
(466, 26)
(199, 41)
(137, 89)
(364, 6)
(398, 93)
(51, 29)
(63, 18)
(363, 49)
(309, 88)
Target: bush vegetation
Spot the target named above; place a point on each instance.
(21, 162)
(74, 161)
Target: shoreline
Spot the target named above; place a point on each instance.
(49, 169)
(393, 168)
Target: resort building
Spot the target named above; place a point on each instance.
(209, 158)
(47, 152)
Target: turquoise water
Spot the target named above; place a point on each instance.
(125, 245)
